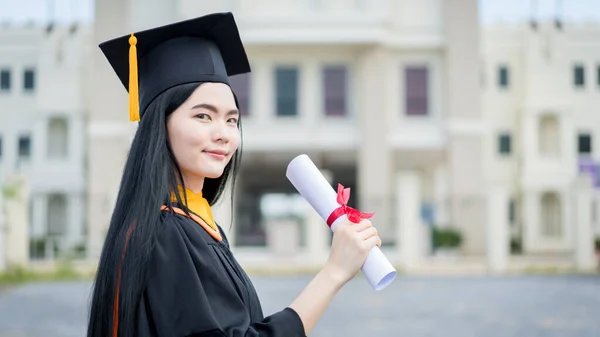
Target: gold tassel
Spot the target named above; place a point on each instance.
(134, 103)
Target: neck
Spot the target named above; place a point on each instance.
(193, 183)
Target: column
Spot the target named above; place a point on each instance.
(3, 228)
(223, 217)
(409, 234)
(462, 111)
(109, 133)
(17, 220)
(596, 218)
(310, 93)
(585, 258)
(317, 232)
(497, 233)
(441, 195)
(374, 154)
(261, 100)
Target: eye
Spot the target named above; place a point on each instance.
(232, 120)
(203, 116)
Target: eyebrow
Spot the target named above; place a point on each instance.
(214, 109)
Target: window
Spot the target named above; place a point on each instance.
(549, 140)
(4, 80)
(58, 137)
(416, 86)
(578, 75)
(24, 146)
(334, 90)
(584, 143)
(503, 76)
(287, 91)
(29, 79)
(551, 215)
(241, 87)
(57, 214)
(504, 144)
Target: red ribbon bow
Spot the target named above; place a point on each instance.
(353, 215)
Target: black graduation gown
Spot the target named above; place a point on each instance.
(197, 288)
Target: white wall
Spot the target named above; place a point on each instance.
(310, 129)
(58, 57)
(541, 81)
(19, 48)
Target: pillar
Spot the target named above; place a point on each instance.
(310, 85)
(262, 100)
(109, 133)
(497, 231)
(374, 153)
(2, 232)
(465, 150)
(409, 235)
(317, 232)
(222, 214)
(585, 258)
(531, 221)
(441, 195)
(17, 221)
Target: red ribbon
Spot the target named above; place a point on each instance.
(353, 215)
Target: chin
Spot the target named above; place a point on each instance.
(213, 175)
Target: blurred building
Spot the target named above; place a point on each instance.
(541, 88)
(42, 130)
(383, 96)
(432, 121)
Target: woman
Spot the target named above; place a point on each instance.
(166, 268)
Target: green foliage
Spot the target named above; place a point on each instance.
(516, 246)
(597, 243)
(15, 275)
(446, 237)
(11, 191)
(18, 275)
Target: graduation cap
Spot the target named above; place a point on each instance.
(204, 49)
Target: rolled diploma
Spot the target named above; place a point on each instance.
(311, 184)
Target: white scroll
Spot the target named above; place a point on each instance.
(311, 184)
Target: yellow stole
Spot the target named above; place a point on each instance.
(197, 204)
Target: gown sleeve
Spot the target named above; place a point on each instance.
(189, 294)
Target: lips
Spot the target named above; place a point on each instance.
(217, 154)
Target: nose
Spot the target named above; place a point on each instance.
(220, 133)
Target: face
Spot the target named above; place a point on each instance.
(204, 133)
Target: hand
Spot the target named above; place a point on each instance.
(349, 249)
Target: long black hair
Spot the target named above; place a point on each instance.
(151, 173)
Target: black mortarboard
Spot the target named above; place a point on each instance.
(204, 49)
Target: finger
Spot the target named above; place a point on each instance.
(371, 242)
(367, 233)
(361, 226)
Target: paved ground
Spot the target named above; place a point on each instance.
(446, 307)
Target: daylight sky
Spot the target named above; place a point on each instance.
(490, 10)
